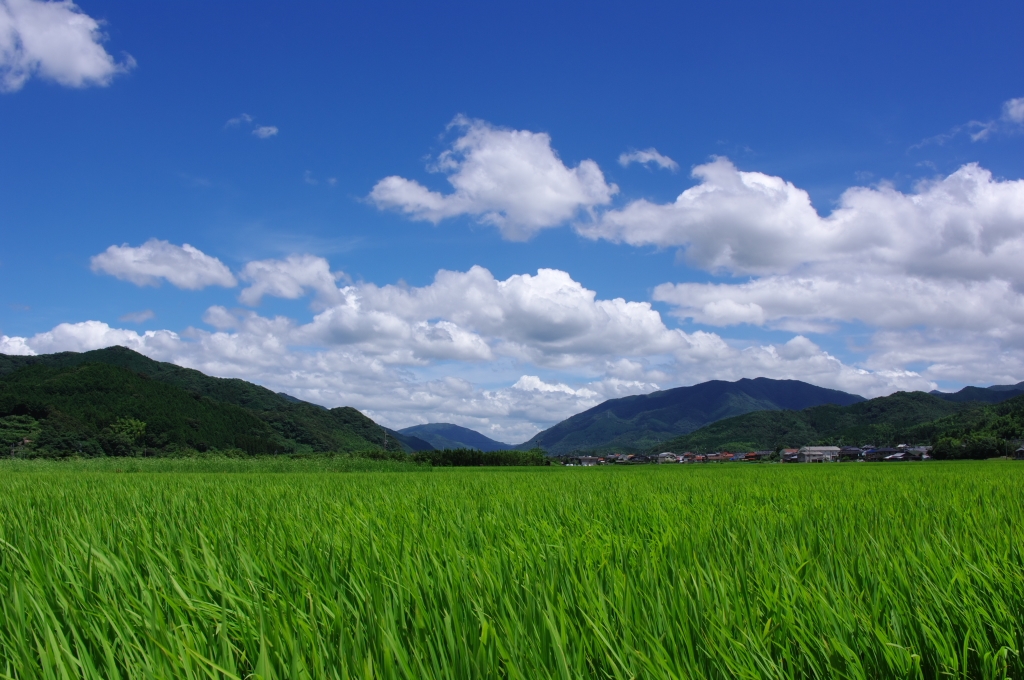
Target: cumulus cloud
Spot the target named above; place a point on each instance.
(646, 157)
(55, 41)
(290, 278)
(511, 179)
(891, 302)
(967, 225)
(265, 131)
(466, 348)
(944, 256)
(932, 276)
(16, 346)
(547, 319)
(183, 266)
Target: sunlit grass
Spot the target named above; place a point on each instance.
(912, 570)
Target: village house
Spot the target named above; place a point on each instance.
(584, 461)
(818, 454)
(876, 455)
(850, 453)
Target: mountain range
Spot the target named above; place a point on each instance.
(87, 402)
(76, 401)
(640, 422)
(903, 417)
(991, 395)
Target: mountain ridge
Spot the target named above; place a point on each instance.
(283, 423)
(638, 422)
(902, 417)
(993, 394)
(450, 436)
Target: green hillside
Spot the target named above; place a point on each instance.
(640, 422)
(904, 417)
(75, 399)
(977, 432)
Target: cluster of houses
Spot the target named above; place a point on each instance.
(806, 454)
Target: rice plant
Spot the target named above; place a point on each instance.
(855, 571)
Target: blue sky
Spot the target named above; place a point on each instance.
(853, 218)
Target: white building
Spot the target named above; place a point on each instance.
(818, 454)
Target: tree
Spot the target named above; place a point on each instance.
(123, 437)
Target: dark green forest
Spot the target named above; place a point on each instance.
(956, 429)
(474, 458)
(117, 402)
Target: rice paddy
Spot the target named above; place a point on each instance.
(732, 571)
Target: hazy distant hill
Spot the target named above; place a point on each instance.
(85, 392)
(990, 395)
(448, 436)
(642, 421)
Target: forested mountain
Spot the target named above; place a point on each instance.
(904, 417)
(979, 432)
(449, 436)
(84, 401)
(991, 395)
(639, 422)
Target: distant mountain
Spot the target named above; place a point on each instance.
(448, 436)
(990, 395)
(640, 422)
(877, 421)
(82, 394)
(410, 443)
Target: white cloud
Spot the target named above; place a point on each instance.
(183, 266)
(511, 179)
(290, 278)
(16, 346)
(89, 335)
(507, 357)
(265, 131)
(545, 319)
(738, 221)
(967, 226)
(1013, 110)
(879, 301)
(932, 277)
(55, 41)
(648, 156)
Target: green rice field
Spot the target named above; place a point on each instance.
(912, 570)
